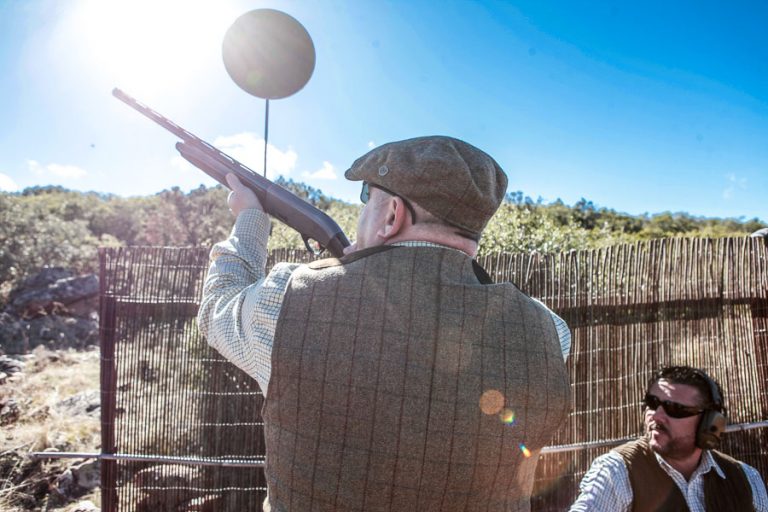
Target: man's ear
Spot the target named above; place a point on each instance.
(395, 220)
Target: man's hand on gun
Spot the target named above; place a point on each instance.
(241, 197)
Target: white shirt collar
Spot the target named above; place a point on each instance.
(706, 464)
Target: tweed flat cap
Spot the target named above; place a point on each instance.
(451, 179)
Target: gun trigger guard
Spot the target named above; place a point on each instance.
(318, 251)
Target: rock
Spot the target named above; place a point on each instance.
(9, 411)
(41, 279)
(83, 506)
(207, 503)
(54, 308)
(51, 291)
(9, 366)
(78, 480)
(86, 403)
(149, 504)
(13, 334)
(167, 475)
(65, 485)
(87, 474)
(167, 486)
(19, 335)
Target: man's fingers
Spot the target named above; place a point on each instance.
(233, 182)
(240, 197)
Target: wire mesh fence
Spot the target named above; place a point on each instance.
(193, 420)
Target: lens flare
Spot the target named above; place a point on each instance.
(491, 401)
(526, 451)
(507, 416)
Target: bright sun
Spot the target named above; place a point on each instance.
(150, 46)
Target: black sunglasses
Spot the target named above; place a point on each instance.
(673, 409)
(365, 195)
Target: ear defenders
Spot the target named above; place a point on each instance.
(713, 420)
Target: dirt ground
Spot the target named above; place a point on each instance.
(52, 404)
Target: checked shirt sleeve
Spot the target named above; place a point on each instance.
(759, 495)
(605, 487)
(240, 304)
(563, 331)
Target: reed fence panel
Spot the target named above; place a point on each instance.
(635, 308)
(169, 398)
(185, 422)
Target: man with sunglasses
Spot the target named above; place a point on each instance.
(398, 377)
(674, 466)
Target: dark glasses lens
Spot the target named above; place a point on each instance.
(365, 195)
(673, 409)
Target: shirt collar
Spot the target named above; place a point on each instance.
(422, 243)
(706, 464)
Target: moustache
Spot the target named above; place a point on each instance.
(658, 427)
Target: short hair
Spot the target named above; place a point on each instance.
(426, 217)
(691, 377)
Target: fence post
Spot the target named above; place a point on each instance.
(108, 376)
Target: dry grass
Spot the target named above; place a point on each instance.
(45, 423)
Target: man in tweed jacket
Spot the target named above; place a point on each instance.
(398, 377)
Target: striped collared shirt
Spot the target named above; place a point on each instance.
(241, 303)
(606, 487)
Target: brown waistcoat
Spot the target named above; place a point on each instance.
(379, 365)
(653, 490)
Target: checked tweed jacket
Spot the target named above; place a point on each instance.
(401, 382)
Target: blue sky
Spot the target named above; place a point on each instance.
(640, 107)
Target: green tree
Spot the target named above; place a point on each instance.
(50, 225)
(524, 228)
(31, 237)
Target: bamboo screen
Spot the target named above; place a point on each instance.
(167, 397)
(635, 308)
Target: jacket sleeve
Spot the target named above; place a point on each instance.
(240, 304)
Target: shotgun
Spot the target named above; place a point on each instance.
(312, 224)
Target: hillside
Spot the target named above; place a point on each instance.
(53, 226)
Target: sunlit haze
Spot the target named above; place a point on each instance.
(149, 47)
(644, 107)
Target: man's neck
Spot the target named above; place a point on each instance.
(685, 465)
(443, 237)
